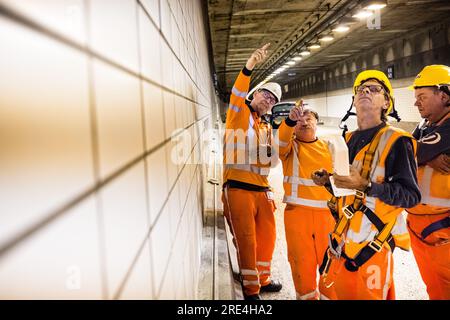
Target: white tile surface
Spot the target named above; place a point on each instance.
(117, 99)
(114, 31)
(152, 7)
(150, 45)
(45, 139)
(139, 286)
(154, 115)
(157, 182)
(46, 147)
(125, 221)
(161, 243)
(60, 262)
(66, 17)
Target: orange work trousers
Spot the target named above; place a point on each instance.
(372, 281)
(432, 256)
(307, 232)
(250, 215)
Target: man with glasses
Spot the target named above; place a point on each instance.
(429, 222)
(358, 263)
(247, 197)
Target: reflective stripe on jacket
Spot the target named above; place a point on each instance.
(435, 189)
(300, 159)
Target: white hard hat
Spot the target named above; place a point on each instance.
(273, 88)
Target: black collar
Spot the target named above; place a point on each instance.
(247, 102)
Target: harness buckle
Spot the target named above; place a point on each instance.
(359, 194)
(348, 213)
(375, 245)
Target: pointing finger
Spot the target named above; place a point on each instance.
(264, 47)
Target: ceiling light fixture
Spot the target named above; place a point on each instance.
(305, 53)
(297, 58)
(326, 38)
(374, 4)
(291, 63)
(363, 14)
(341, 28)
(315, 45)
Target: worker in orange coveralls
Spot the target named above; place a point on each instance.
(307, 219)
(429, 222)
(248, 199)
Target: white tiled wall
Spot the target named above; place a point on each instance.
(91, 205)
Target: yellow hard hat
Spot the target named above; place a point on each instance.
(435, 75)
(380, 77)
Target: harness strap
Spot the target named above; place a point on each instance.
(435, 226)
(376, 245)
(432, 228)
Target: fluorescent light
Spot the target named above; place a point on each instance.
(326, 38)
(374, 4)
(314, 46)
(341, 28)
(305, 53)
(363, 14)
(297, 58)
(291, 63)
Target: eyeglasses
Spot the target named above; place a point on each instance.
(268, 96)
(373, 88)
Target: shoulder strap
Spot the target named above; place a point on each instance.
(367, 163)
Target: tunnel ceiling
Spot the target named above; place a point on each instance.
(240, 26)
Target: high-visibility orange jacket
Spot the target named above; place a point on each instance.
(307, 219)
(435, 190)
(247, 140)
(300, 159)
(361, 230)
(434, 185)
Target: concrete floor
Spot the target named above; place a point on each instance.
(408, 283)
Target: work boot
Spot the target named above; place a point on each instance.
(252, 297)
(273, 286)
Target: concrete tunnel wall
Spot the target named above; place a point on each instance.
(91, 205)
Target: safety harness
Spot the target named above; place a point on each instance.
(336, 241)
